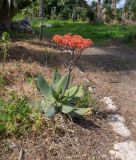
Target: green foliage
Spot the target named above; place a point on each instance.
(59, 97)
(109, 14)
(58, 9)
(14, 4)
(86, 100)
(29, 80)
(3, 82)
(99, 33)
(5, 44)
(130, 9)
(130, 38)
(8, 9)
(17, 117)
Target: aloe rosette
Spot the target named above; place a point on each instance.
(59, 97)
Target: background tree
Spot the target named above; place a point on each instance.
(41, 8)
(8, 9)
(98, 10)
(113, 6)
(130, 10)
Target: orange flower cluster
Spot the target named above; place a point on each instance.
(75, 41)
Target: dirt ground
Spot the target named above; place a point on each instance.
(114, 74)
(111, 71)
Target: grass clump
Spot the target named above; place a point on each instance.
(17, 117)
(3, 81)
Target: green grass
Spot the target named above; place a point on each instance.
(99, 33)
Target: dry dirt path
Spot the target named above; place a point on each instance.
(113, 70)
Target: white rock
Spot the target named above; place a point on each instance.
(124, 150)
(86, 80)
(90, 89)
(118, 124)
(110, 104)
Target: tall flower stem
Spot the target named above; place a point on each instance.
(70, 68)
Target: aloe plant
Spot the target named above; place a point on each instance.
(59, 97)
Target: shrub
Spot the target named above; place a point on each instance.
(130, 38)
(17, 117)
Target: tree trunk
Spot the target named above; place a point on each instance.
(98, 10)
(41, 8)
(113, 6)
(6, 18)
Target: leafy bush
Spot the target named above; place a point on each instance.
(130, 38)
(5, 43)
(17, 117)
(60, 97)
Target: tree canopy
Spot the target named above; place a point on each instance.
(8, 8)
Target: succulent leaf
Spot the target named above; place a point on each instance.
(67, 109)
(56, 77)
(80, 92)
(83, 111)
(44, 87)
(72, 91)
(52, 111)
(63, 84)
(54, 93)
(65, 99)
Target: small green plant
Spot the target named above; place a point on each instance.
(5, 44)
(86, 101)
(17, 117)
(59, 97)
(3, 82)
(29, 80)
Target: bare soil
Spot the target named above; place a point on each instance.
(113, 70)
(110, 70)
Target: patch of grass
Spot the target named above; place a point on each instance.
(18, 118)
(130, 38)
(97, 32)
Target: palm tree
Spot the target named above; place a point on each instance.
(41, 8)
(99, 10)
(113, 6)
(8, 9)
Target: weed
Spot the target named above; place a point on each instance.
(3, 82)
(130, 38)
(18, 118)
(86, 101)
(5, 44)
(29, 80)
